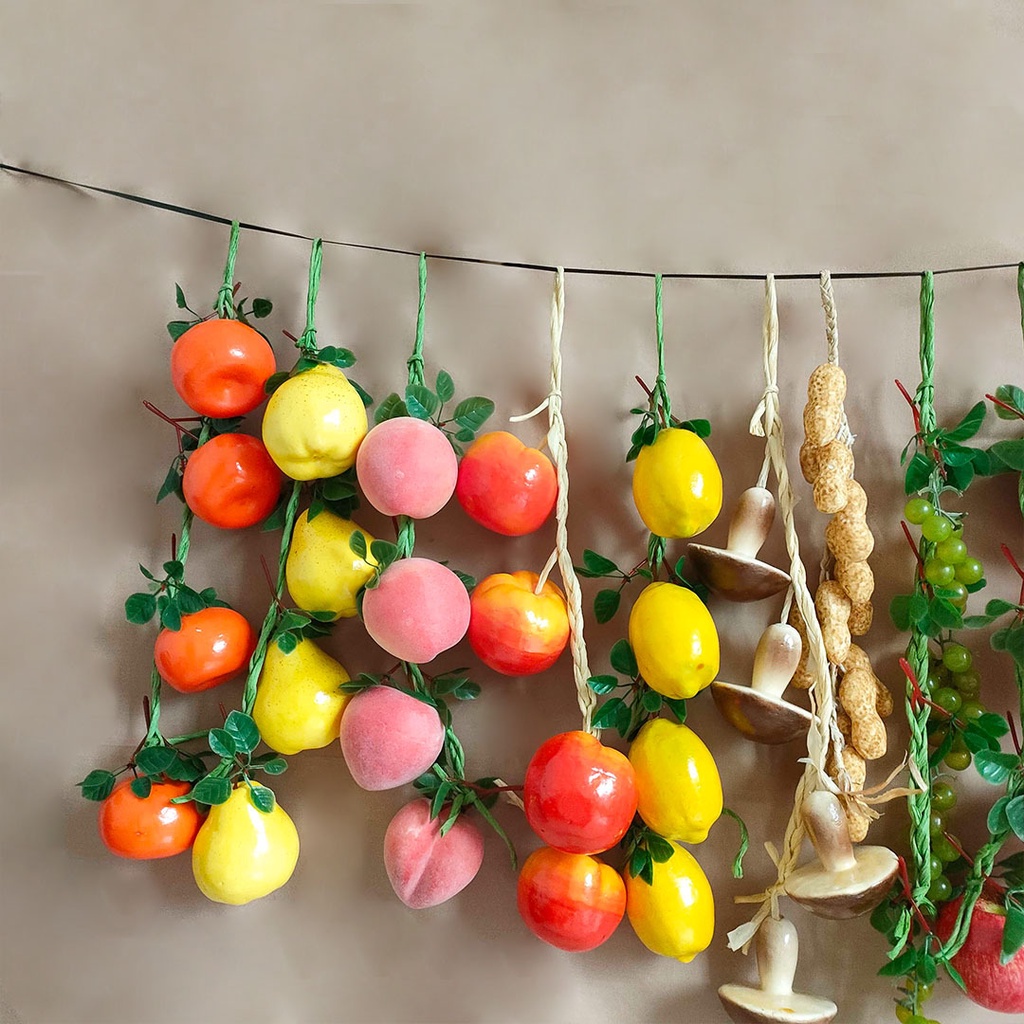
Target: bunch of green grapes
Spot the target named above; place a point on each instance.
(951, 568)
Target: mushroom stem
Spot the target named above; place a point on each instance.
(777, 949)
(826, 825)
(776, 659)
(753, 518)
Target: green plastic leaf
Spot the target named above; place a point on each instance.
(622, 658)
(945, 613)
(222, 743)
(994, 766)
(445, 386)
(272, 764)
(996, 820)
(262, 308)
(142, 786)
(1013, 396)
(155, 760)
(473, 413)
(977, 740)
(903, 964)
(602, 684)
(185, 769)
(969, 425)
(427, 783)
(702, 428)
(364, 396)
(293, 620)
(677, 705)
(439, 799)
(287, 642)
(175, 570)
(623, 721)
(469, 582)
(172, 483)
(651, 701)
(919, 472)
(467, 691)
(960, 477)
(189, 602)
(179, 297)
(1011, 452)
(465, 435)
(597, 565)
(389, 408)
(98, 784)
(176, 328)
(262, 798)
(606, 604)
(421, 401)
(604, 718)
(1013, 931)
(357, 542)
(991, 724)
(211, 790)
(659, 848)
(170, 615)
(243, 731)
(899, 612)
(1015, 816)
(955, 975)
(140, 608)
(274, 381)
(956, 455)
(1014, 645)
(338, 488)
(342, 358)
(384, 552)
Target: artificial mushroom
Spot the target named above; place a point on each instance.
(759, 710)
(775, 1001)
(735, 572)
(845, 881)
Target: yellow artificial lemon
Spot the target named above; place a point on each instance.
(674, 639)
(324, 574)
(298, 705)
(242, 854)
(677, 485)
(675, 915)
(678, 788)
(314, 423)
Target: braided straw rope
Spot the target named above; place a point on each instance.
(767, 423)
(585, 697)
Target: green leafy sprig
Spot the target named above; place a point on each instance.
(259, 310)
(645, 848)
(169, 596)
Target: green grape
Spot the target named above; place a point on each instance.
(939, 672)
(943, 795)
(904, 1013)
(936, 735)
(971, 710)
(952, 551)
(937, 867)
(937, 573)
(940, 890)
(917, 510)
(956, 658)
(948, 699)
(968, 683)
(936, 823)
(970, 571)
(923, 991)
(959, 594)
(936, 528)
(944, 849)
(958, 760)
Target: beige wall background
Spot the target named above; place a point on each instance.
(735, 137)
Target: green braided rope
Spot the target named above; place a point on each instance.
(273, 612)
(661, 395)
(415, 361)
(920, 804)
(153, 735)
(406, 539)
(224, 306)
(307, 342)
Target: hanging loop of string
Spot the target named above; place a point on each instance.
(224, 306)
(767, 423)
(415, 361)
(307, 342)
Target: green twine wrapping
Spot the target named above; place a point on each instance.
(662, 401)
(415, 361)
(224, 306)
(307, 342)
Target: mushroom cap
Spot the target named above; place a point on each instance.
(753, 1006)
(758, 716)
(735, 576)
(848, 892)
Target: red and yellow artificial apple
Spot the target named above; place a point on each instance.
(513, 629)
(505, 486)
(570, 900)
(579, 795)
(989, 983)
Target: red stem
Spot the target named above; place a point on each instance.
(956, 846)
(174, 547)
(905, 880)
(1003, 405)
(917, 696)
(913, 547)
(270, 583)
(1013, 732)
(290, 336)
(913, 406)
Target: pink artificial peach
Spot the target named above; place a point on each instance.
(426, 868)
(418, 609)
(389, 738)
(407, 467)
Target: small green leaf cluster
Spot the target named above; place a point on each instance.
(150, 763)
(931, 615)
(169, 596)
(338, 494)
(653, 421)
(295, 625)
(645, 848)
(234, 744)
(259, 310)
(422, 403)
(628, 713)
(329, 355)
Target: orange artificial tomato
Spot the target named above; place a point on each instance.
(231, 481)
(211, 647)
(505, 486)
(219, 368)
(512, 629)
(150, 827)
(570, 900)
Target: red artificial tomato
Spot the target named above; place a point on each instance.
(145, 828)
(572, 901)
(505, 486)
(580, 795)
(219, 368)
(514, 630)
(231, 481)
(211, 647)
